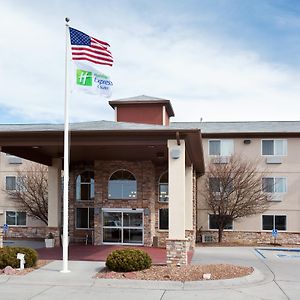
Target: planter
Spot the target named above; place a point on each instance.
(49, 243)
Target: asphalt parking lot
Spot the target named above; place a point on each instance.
(275, 277)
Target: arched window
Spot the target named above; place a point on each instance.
(85, 186)
(122, 185)
(163, 187)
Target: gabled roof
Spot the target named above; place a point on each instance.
(144, 99)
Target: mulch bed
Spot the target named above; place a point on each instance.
(184, 273)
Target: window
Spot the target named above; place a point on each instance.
(85, 218)
(216, 185)
(220, 147)
(16, 218)
(122, 185)
(213, 222)
(270, 222)
(163, 219)
(274, 147)
(10, 183)
(164, 188)
(274, 185)
(85, 186)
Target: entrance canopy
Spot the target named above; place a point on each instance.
(103, 140)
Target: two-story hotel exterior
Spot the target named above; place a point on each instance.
(137, 180)
(275, 147)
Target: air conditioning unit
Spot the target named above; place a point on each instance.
(274, 160)
(221, 159)
(14, 160)
(276, 197)
(207, 238)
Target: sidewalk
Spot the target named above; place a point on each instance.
(267, 282)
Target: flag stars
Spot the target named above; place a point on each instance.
(79, 38)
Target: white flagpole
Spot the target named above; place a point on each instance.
(66, 161)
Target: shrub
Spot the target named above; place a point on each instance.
(8, 257)
(50, 235)
(128, 260)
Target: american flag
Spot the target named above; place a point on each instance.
(85, 47)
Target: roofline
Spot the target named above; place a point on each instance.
(192, 137)
(114, 103)
(250, 134)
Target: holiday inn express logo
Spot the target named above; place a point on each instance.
(84, 77)
(93, 82)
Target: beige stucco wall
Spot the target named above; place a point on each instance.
(177, 190)
(7, 169)
(289, 168)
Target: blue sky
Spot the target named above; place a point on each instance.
(217, 60)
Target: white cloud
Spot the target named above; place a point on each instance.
(205, 75)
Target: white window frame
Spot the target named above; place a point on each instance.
(266, 155)
(159, 185)
(208, 223)
(221, 152)
(274, 178)
(16, 211)
(83, 228)
(16, 178)
(89, 184)
(270, 230)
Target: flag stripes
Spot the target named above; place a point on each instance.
(88, 48)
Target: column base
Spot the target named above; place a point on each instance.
(177, 252)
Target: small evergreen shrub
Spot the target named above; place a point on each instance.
(8, 257)
(50, 235)
(128, 260)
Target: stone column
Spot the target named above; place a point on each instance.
(54, 198)
(176, 243)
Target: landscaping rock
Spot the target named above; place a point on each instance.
(9, 270)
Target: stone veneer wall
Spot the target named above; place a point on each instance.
(250, 238)
(26, 232)
(177, 252)
(33, 233)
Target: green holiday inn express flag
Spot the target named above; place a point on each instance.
(92, 81)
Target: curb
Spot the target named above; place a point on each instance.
(256, 277)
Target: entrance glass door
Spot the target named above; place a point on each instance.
(123, 226)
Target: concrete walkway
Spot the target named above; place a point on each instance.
(274, 278)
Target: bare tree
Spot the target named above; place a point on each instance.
(31, 193)
(233, 190)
